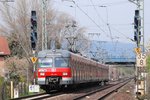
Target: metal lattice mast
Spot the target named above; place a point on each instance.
(142, 3)
(140, 35)
(44, 31)
(141, 57)
(140, 7)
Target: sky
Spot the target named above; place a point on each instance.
(95, 14)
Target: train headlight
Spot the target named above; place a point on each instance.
(42, 74)
(65, 74)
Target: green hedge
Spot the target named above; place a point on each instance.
(1, 86)
(1, 81)
(148, 63)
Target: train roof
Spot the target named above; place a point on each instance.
(87, 60)
(49, 53)
(66, 53)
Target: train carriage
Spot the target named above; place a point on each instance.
(58, 68)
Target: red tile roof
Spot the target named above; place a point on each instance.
(4, 48)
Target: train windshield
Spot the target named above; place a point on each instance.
(45, 62)
(61, 62)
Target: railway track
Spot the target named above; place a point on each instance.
(39, 96)
(102, 93)
(92, 93)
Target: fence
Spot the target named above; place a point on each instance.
(18, 90)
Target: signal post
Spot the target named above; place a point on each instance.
(33, 38)
(140, 54)
(140, 73)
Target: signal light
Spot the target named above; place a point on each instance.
(137, 24)
(34, 29)
(135, 36)
(33, 40)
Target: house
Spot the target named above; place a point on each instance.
(4, 51)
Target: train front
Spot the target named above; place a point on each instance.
(53, 69)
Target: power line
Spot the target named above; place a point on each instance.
(109, 25)
(103, 20)
(117, 24)
(97, 11)
(110, 4)
(120, 33)
(86, 15)
(89, 17)
(116, 3)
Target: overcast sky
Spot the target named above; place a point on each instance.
(94, 18)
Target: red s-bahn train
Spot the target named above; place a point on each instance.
(58, 68)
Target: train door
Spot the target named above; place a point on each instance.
(72, 68)
(80, 74)
(75, 71)
(79, 64)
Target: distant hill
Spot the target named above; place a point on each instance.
(107, 50)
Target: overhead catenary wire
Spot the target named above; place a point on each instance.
(110, 26)
(97, 12)
(111, 4)
(99, 26)
(120, 33)
(103, 20)
(90, 18)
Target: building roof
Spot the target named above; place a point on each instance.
(4, 48)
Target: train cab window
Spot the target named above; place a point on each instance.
(61, 62)
(45, 62)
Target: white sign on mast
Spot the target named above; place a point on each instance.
(141, 60)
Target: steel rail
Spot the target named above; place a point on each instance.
(39, 96)
(104, 88)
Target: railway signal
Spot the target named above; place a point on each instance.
(139, 37)
(34, 29)
(33, 38)
(137, 25)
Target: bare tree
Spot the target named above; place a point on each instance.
(16, 23)
(73, 33)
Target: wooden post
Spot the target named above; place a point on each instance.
(12, 89)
